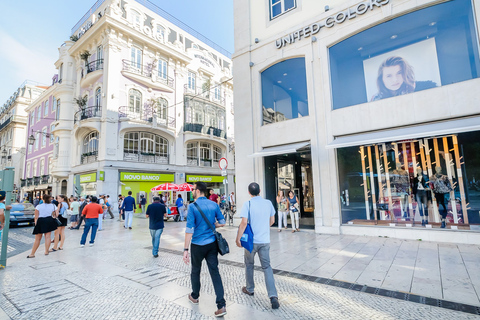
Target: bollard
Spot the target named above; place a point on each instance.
(6, 185)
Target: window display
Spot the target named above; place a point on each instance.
(414, 183)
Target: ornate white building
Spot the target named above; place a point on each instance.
(145, 100)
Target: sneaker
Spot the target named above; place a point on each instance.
(194, 301)
(244, 290)
(130, 228)
(91, 244)
(155, 256)
(221, 312)
(82, 246)
(275, 303)
(443, 224)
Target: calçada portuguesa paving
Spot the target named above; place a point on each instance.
(118, 278)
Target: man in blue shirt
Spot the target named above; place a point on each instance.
(262, 216)
(204, 245)
(156, 212)
(143, 203)
(180, 207)
(128, 206)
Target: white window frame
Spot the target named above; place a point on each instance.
(45, 110)
(42, 166)
(192, 79)
(37, 140)
(35, 168)
(136, 57)
(280, 3)
(39, 113)
(98, 97)
(54, 104)
(162, 109)
(136, 107)
(162, 69)
(44, 137)
(52, 139)
(160, 30)
(29, 166)
(136, 18)
(90, 142)
(30, 147)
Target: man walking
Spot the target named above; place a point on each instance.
(128, 206)
(109, 207)
(83, 203)
(204, 245)
(101, 201)
(180, 207)
(156, 212)
(143, 203)
(262, 216)
(91, 212)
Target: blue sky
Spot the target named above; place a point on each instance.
(31, 32)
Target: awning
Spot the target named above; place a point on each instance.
(406, 133)
(284, 149)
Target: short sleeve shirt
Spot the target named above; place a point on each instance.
(45, 209)
(75, 206)
(260, 212)
(92, 210)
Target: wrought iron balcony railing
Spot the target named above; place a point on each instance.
(148, 71)
(94, 66)
(145, 157)
(87, 113)
(89, 157)
(145, 114)
(200, 128)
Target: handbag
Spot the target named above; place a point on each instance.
(247, 238)
(221, 242)
(59, 223)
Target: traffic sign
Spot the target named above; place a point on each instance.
(223, 163)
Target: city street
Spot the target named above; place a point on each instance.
(118, 278)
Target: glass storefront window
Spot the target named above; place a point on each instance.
(428, 182)
(425, 49)
(284, 91)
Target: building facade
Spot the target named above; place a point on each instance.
(13, 130)
(145, 100)
(366, 110)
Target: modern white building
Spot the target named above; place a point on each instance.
(13, 129)
(145, 100)
(354, 105)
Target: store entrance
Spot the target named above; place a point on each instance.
(292, 172)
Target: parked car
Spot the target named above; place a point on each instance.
(22, 214)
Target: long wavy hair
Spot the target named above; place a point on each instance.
(408, 75)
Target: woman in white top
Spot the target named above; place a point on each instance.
(45, 223)
(282, 204)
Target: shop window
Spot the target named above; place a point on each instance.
(407, 54)
(421, 183)
(134, 101)
(278, 7)
(284, 91)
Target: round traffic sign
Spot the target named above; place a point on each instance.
(223, 163)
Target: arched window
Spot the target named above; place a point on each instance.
(145, 147)
(136, 18)
(135, 101)
(90, 143)
(162, 109)
(160, 32)
(98, 97)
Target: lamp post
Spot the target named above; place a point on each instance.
(6, 185)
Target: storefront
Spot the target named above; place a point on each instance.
(141, 183)
(88, 184)
(213, 182)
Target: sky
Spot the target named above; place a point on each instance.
(31, 31)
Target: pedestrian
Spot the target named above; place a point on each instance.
(143, 204)
(261, 214)
(129, 206)
(75, 206)
(109, 207)
(121, 214)
(204, 245)
(180, 207)
(83, 203)
(294, 209)
(101, 201)
(91, 212)
(2, 213)
(282, 204)
(155, 213)
(59, 237)
(45, 223)
(214, 197)
(231, 200)
(36, 202)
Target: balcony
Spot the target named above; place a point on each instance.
(23, 183)
(145, 157)
(92, 72)
(206, 94)
(146, 115)
(29, 182)
(45, 179)
(200, 128)
(36, 181)
(147, 75)
(89, 157)
(88, 113)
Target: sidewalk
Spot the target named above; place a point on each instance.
(119, 279)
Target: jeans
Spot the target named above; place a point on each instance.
(128, 219)
(263, 250)
(93, 223)
(421, 198)
(100, 220)
(155, 240)
(144, 209)
(294, 218)
(282, 218)
(80, 220)
(109, 210)
(182, 213)
(209, 252)
(440, 197)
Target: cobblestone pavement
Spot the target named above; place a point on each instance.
(118, 278)
(20, 239)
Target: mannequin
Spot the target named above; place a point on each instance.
(441, 186)
(420, 187)
(400, 185)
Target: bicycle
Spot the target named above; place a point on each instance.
(229, 212)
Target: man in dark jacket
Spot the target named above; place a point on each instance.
(128, 206)
(83, 203)
(155, 213)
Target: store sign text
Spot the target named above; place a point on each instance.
(204, 179)
(84, 178)
(132, 176)
(329, 22)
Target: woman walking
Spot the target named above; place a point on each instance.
(63, 206)
(282, 204)
(294, 209)
(45, 223)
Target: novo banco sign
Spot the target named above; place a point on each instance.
(329, 22)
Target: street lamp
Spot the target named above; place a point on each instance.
(31, 139)
(4, 154)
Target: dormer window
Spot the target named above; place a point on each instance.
(136, 19)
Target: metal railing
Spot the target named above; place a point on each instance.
(23, 183)
(94, 66)
(87, 113)
(29, 182)
(147, 71)
(36, 181)
(89, 157)
(87, 15)
(200, 128)
(145, 157)
(146, 114)
(45, 178)
(204, 93)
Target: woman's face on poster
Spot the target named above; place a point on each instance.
(392, 77)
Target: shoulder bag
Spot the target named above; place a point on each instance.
(247, 238)
(221, 242)
(59, 223)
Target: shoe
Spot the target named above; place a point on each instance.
(423, 223)
(30, 257)
(298, 230)
(82, 246)
(244, 290)
(194, 301)
(112, 218)
(130, 228)
(279, 230)
(221, 312)
(53, 250)
(443, 224)
(293, 231)
(155, 256)
(275, 303)
(91, 244)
